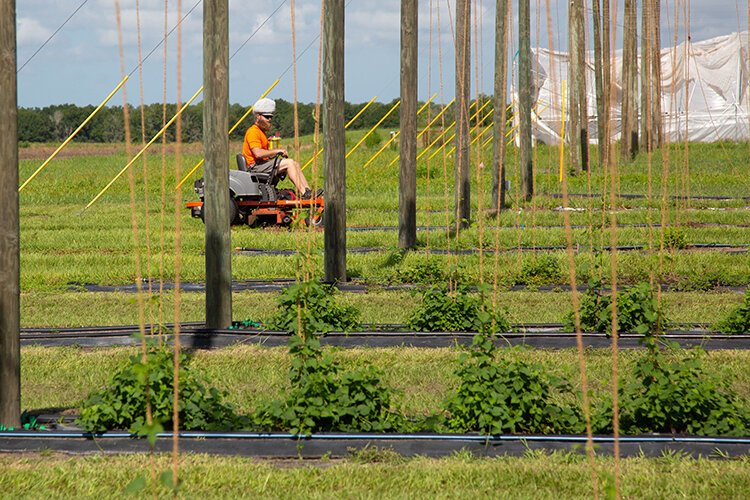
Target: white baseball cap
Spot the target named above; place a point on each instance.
(264, 105)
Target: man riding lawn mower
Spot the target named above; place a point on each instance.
(255, 199)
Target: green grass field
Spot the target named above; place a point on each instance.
(64, 247)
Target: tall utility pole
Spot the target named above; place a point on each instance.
(334, 161)
(407, 187)
(629, 142)
(216, 154)
(463, 84)
(524, 99)
(579, 130)
(498, 122)
(10, 318)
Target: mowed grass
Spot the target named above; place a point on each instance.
(61, 243)
(375, 475)
(77, 309)
(423, 378)
(64, 246)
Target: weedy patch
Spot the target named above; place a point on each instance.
(508, 396)
(446, 310)
(149, 380)
(738, 321)
(637, 310)
(309, 306)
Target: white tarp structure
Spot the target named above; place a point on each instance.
(704, 92)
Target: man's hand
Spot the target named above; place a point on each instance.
(282, 152)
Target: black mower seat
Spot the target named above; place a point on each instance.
(265, 178)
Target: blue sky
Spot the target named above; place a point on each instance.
(81, 64)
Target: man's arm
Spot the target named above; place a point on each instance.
(265, 154)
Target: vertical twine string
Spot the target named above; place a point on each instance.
(501, 145)
(442, 119)
(294, 77)
(133, 220)
(316, 139)
(478, 146)
(613, 270)
(146, 228)
(177, 263)
(428, 215)
(162, 221)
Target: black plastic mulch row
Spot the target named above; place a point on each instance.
(342, 445)
(199, 338)
(720, 247)
(354, 286)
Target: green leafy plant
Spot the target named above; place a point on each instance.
(674, 238)
(373, 140)
(738, 321)
(444, 310)
(675, 395)
(510, 396)
(429, 271)
(637, 310)
(122, 404)
(324, 397)
(542, 269)
(308, 307)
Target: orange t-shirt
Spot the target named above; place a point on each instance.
(254, 138)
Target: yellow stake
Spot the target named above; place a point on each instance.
(345, 127)
(562, 132)
(373, 128)
(158, 134)
(454, 135)
(424, 151)
(234, 127)
(445, 108)
(60, 148)
(393, 137)
(472, 130)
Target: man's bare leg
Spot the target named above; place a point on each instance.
(294, 172)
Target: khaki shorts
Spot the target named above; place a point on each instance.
(263, 167)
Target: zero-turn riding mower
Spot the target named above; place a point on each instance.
(256, 201)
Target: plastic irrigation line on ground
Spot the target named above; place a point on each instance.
(694, 225)
(697, 247)
(536, 336)
(643, 196)
(341, 445)
(354, 286)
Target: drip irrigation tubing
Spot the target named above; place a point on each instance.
(714, 247)
(692, 225)
(577, 209)
(285, 445)
(643, 196)
(354, 286)
(548, 336)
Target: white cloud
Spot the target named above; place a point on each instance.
(30, 31)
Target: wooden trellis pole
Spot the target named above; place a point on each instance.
(10, 318)
(463, 83)
(216, 173)
(629, 143)
(407, 187)
(524, 99)
(498, 122)
(334, 160)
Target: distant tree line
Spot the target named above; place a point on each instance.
(53, 124)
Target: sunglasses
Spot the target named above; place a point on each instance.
(267, 117)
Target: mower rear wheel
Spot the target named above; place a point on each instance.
(316, 220)
(234, 212)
